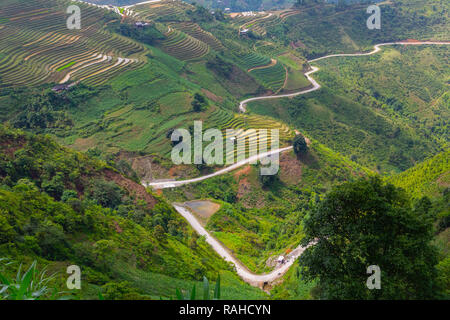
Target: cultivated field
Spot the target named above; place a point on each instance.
(37, 47)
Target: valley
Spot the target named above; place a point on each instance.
(87, 175)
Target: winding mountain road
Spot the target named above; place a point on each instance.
(316, 86)
(242, 271)
(178, 183)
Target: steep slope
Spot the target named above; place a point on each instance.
(62, 208)
(36, 46)
(321, 28)
(428, 178)
(260, 218)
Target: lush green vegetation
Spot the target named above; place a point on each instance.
(387, 125)
(429, 178)
(136, 83)
(416, 97)
(367, 223)
(320, 28)
(61, 207)
(261, 219)
(29, 285)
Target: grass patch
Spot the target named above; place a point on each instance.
(65, 66)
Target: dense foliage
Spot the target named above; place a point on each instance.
(63, 208)
(365, 223)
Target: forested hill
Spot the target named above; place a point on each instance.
(62, 207)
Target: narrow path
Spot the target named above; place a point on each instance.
(141, 3)
(252, 22)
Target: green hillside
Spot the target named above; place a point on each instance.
(86, 118)
(386, 111)
(261, 219)
(320, 28)
(62, 207)
(428, 178)
(37, 47)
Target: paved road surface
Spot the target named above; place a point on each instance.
(177, 183)
(243, 272)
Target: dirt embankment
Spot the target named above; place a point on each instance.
(135, 189)
(150, 168)
(290, 168)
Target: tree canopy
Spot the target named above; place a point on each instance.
(300, 146)
(367, 222)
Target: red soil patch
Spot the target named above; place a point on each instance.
(212, 96)
(290, 169)
(172, 171)
(132, 187)
(245, 171)
(9, 147)
(243, 188)
(297, 44)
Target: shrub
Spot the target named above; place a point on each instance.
(299, 144)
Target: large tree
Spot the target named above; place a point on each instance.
(367, 222)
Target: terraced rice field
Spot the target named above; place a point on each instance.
(37, 47)
(218, 118)
(260, 27)
(195, 31)
(182, 46)
(162, 11)
(253, 60)
(288, 13)
(242, 123)
(271, 77)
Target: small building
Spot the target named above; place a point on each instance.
(141, 24)
(61, 87)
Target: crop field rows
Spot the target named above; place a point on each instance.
(195, 31)
(37, 47)
(260, 26)
(253, 60)
(242, 123)
(286, 14)
(161, 11)
(271, 77)
(219, 118)
(183, 46)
